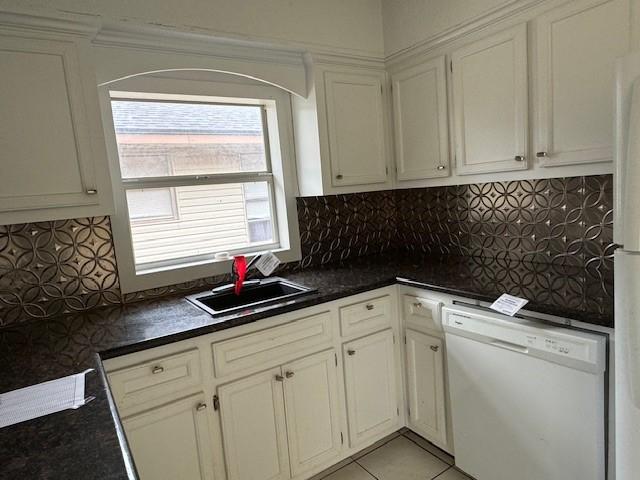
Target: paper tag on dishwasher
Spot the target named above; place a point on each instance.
(267, 263)
(508, 304)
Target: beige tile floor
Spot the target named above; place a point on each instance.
(401, 456)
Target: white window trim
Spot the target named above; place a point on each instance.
(277, 104)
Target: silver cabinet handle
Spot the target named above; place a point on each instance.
(435, 348)
(201, 406)
(339, 177)
(351, 352)
(440, 167)
(91, 191)
(289, 374)
(279, 378)
(157, 369)
(542, 154)
(370, 306)
(519, 158)
(417, 305)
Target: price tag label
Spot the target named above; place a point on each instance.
(508, 304)
(267, 263)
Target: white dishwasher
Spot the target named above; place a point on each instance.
(527, 398)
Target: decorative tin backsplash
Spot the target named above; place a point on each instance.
(50, 268)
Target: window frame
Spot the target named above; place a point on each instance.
(275, 106)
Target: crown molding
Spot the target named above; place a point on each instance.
(461, 30)
(82, 25)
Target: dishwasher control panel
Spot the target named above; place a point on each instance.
(526, 336)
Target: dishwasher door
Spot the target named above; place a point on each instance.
(527, 400)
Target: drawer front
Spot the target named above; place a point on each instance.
(367, 316)
(270, 347)
(422, 312)
(155, 378)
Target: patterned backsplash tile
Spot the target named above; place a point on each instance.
(50, 268)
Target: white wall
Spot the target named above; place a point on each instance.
(407, 22)
(349, 25)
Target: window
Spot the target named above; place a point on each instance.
(200, 175)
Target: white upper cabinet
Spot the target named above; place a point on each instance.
(420, 121)
(355, 120)
(53, 153)
(490, 103)
(576, 48)
(342, 132)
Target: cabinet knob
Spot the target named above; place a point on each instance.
(157, 369)
(351, 352)
(519, 158)
(339, 177)
(289, 374)
(279, 378)
(435, 348)
(440, 167)
(417, 305)
(201, 406)
(91, 191)
(542, 154)
(370, 306)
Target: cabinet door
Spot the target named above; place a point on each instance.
(172, 441)
(311, 405)
(253, 427)
(370, 377)
(420, 121)
(44, 137)
(577, 45)
(490, 103)
(355, 126)
(425, 384)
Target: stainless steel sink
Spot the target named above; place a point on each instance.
(255, 295)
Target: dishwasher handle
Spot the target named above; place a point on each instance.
(514, 347)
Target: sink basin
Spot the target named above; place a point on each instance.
(255, 295)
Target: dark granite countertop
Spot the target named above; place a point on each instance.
(84, 443)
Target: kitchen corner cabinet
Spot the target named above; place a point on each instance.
(370, 379)
(425, 386)
(53, 153)
(490, 103)
(577, 45)
(420, 121)
(172, 441)
(342, 132)
(284, 420)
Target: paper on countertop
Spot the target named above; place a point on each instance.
(508, 304)
(43, 399)
(267, 263)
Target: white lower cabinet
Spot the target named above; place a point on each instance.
(172, 441)
(283, 422)
(370, 380)
(253, 427)
(425, 386)
(312, 411)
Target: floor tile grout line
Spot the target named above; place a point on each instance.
(443, 472)
(335, 471)
(379, 446)
(363, 467)
(413, 441)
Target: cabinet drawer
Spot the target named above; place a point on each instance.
(270, 347)
(422, 312)
(155, 378)
(367, 316)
